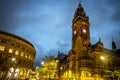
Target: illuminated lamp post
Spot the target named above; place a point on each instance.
(102, 58)
(42, 63)
(9, 71)
(13, 59)
(42, 72)
(13, 72)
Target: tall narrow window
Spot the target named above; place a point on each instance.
(10, 50)
(22, 54)
(26, 55)
(2, 48)
(29, 56)
(17, 52)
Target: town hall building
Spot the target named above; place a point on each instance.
(85, 61)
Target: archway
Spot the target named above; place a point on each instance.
(16, 73)
(21, 73)
(28, 73)
(10, 73)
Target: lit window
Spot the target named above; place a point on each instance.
(26, 56)
(22, 54)
(2, 48)
(29, 56)
(56, 60)
(17, 52)
(86, 74)
(10, 50)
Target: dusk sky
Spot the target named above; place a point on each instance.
(47, 23)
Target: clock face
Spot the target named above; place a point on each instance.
(84, 31)
(75, 32)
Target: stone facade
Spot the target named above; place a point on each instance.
(85, 61)
(17, 56)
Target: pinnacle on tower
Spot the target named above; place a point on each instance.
(80, 28)
(114, 47)
(80, 14)
(99, 40)
(79, 3)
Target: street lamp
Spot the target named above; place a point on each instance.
(102, 58)
(11, 70)
(13, 59)
(42, 62)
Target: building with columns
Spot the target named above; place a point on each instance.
(16, 56)
(85, 61)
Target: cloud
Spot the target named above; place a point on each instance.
(115, 6)
(39, 54)
(7, 14)
(15, 13)
(53, 52)
(115, 19)
(63, 46)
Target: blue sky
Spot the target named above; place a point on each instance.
(47, 23)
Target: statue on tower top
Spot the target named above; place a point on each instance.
(79, 3)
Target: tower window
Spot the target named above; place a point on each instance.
(75, 32)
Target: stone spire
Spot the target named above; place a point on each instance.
(114, 47)
(80, 14)
(79, 3)
(99, 40)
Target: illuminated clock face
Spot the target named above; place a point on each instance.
(84, 31)
(75, 32)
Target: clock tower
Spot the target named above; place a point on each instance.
(80, 29)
